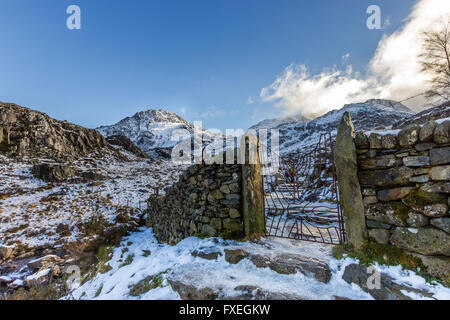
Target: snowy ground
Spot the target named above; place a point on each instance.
(177, 262)
(31, 210)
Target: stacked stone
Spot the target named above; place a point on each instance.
(206, 201)
(404, 178)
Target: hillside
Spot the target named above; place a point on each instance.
(26, 132)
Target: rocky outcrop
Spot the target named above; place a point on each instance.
(6, 252)
(25, 132)
(57, 173)
(53, 172)
(293, 263)
(127, 144)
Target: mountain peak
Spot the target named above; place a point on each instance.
(151, 130)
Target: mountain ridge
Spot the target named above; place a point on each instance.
(152, 130)
(371, 114)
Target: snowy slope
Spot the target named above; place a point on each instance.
(272, 123)
(372, 114)
(151, 130)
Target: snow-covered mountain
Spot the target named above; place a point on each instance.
(272, 123)
(151, 130)
(372, 114)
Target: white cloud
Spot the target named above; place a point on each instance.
(393, 73)
(250, 100)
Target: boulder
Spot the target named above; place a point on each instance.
(89, 176)
(208, 255)
(6, 252)
(247, 292)
(437, 266)
(409, 135)
(442, 133)
(63, 230)
(190, 292)
(234, 256)
(53, 172)
(428, 241)
(388, 289)
(39, 278)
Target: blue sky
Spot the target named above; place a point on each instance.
(200, 59)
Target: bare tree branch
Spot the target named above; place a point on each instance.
(435, 60)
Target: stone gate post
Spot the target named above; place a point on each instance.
(252, 187)
(348, 182)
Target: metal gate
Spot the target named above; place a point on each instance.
(301, 194)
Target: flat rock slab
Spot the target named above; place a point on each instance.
(257, 293)
(208, 255)
(190, 292)
(292, 263)
(388, 290)
(45, 262)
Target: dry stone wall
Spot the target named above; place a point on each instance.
(405, 182)
(207, 201)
